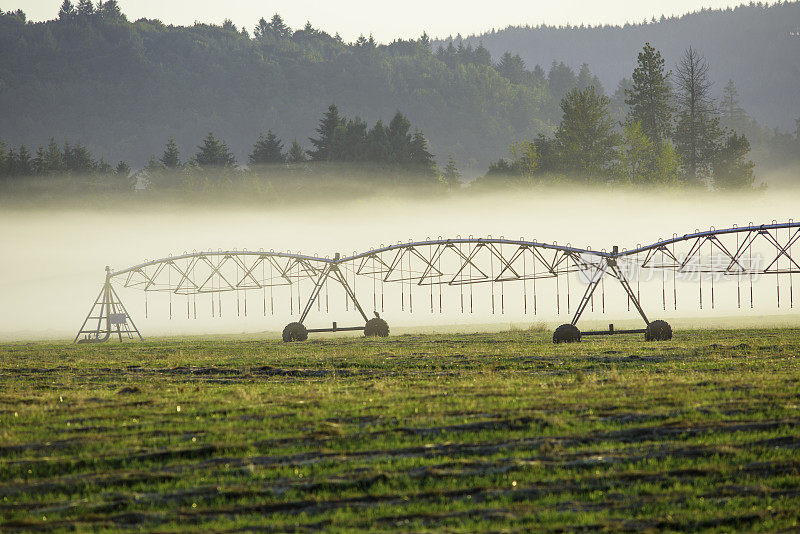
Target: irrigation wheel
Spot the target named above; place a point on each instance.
(295, 332)
(376, 327)
(567, 333)
(658, 331)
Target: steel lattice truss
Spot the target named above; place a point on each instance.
(741, 252)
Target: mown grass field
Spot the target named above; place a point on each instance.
(463, 433)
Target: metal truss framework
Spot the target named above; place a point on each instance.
(742, 252)
(111, 316)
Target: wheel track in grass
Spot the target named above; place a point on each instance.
(577, 461)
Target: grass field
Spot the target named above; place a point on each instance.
(495, 432)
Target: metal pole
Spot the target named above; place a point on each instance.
(587, 295)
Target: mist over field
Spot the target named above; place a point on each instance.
(55, 257)
(124, 140)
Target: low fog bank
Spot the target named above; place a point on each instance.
(54, 259)
(281, 187)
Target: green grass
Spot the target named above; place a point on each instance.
(419, 432)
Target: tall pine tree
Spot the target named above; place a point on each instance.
(586, 140)
(400, 141)
(326, 131)
(67, 11)
(267, 150)
(649, 96)
(451, 177)
(296, 153)
(419, 158)
(214, 153)
(278, 27)
(85, 8)
(170, 158)
(697, 132)
(734, 117)
(731, 169)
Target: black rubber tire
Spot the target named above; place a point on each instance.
(295, 332)
(567, 333)
(658, 331)
(376, 327)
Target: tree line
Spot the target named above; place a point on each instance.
(54, 160)
(90, 74)
(671, 133)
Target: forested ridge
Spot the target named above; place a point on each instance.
(756, 45)
(100, 83)
(117, 86)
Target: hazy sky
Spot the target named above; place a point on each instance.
(387, 21)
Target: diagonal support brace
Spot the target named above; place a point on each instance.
(342, 280)
(597, 276)
(612, 263)
(326, 271)
(331, 270)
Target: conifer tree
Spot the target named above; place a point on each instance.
(37, 163)
(278, 27)
(350, 141)
(267, 150)
(108, 10)
(20, 162)
(400, 141)
(53, 158)
(121, 178)
(649, 97)
(419, 157)
(733, 116)
(585, 137)
(78, 159)
(170, 158)
(561, 79)
(482, 56)
(296, 153)
(697, 132)
(122, 170)
(425, 40)
(214, 153)
(512, 67)
(67, 11)
(326, 130)
(379, 149)
(154, 174)
(731, 169)
(85, 8)
(451, 176)
(261, 30)
(586, 78)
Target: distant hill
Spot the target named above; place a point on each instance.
(755, 45)
(124, 88)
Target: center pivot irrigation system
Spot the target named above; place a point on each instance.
(745, 254)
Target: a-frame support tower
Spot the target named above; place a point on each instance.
(111, 316)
